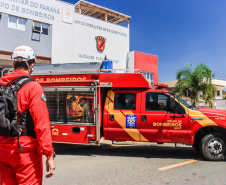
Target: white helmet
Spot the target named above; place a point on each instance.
(23, 53)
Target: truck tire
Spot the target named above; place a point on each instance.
(212, 147)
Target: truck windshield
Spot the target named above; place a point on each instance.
(182, 101)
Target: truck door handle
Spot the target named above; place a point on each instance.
(112, 117)
(144, 118)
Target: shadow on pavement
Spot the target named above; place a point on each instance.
(146, 151)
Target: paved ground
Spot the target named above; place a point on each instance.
(132, 164)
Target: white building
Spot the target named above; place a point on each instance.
(60, 32)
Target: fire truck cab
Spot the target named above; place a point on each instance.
(86, 104)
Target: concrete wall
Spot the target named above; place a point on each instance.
(11, 38)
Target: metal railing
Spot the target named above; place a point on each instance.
(83, 71)
(63, 69)
(4, 71)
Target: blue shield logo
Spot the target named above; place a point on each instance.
(131, 121)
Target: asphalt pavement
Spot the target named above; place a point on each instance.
(133, 163)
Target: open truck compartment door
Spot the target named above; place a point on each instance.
(73, 114)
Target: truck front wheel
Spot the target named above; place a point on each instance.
(212, 147)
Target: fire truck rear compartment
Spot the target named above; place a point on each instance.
(72, 115)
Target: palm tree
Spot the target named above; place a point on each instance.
(209, 93)
(195, 82)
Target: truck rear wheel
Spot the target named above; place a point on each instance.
(212, 147)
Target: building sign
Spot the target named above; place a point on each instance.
(28, 8)
(100, 43)
(67, 15)
(101, 28)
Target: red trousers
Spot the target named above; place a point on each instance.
(17, 168)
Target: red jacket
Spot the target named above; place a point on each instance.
(30, 97)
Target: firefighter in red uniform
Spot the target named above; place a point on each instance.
(25, 167)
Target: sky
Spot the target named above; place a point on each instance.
(177, 31)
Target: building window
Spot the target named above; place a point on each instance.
(41, 28)
(149, 77)
(17, 23)
(37, 27)
(218, 93)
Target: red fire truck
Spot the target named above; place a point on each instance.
(85, 105)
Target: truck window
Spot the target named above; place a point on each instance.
(125, 101)
(159, 101)
(156, 101)
(70, 107)
(55, 104)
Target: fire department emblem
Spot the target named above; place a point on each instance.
(131, 121)
(100, 43)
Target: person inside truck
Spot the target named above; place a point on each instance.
(74, 111)
(85, 104)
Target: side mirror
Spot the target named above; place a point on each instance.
(172, 103)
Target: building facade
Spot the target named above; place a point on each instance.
(146, 64)
(60, 32)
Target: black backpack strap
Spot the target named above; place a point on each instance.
(23, 81)
(15, 80)
(17, 83)
(15, 127)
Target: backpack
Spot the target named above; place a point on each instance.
(8, 107)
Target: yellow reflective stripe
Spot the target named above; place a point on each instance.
(121, 119)
(142, 138)
(205, 122)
